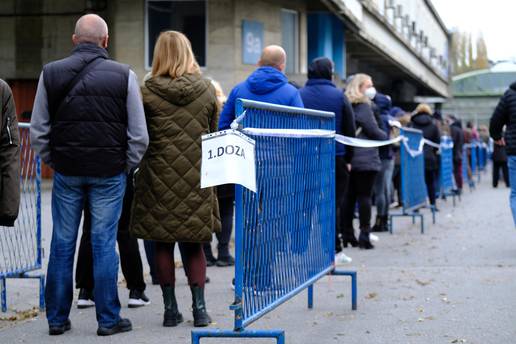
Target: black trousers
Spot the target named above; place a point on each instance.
(360, 191)
(130, 258)
(497, 166)
(226, 197)
(430, 178)
(341, 190)
(396, 180)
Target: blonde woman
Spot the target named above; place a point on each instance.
(365, 163)
(169, 206)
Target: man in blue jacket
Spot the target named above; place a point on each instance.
(320, 93)
(267, 84)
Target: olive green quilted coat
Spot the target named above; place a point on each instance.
(169, 204)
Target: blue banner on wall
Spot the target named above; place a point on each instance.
(252, 41)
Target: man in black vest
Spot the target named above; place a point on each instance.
(88, 124)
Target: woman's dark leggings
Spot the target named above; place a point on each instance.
(194, 263)
(360, 189)
(430, 177)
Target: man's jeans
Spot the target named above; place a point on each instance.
(383, 187)
(104, 197)
(512, 178)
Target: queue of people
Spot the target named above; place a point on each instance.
(128, 159)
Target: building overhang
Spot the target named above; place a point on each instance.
(374, 40)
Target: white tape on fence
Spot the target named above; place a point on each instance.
(432, 144)
(351, 141)
(413, 152)
(293, 133)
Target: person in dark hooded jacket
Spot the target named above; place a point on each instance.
(320, 93)
(423, 120)
(457, 136)
(267, 84)
(383, 183)
(505, 115)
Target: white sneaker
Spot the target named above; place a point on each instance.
(373, 237)
(85, 303)
(137, 299)
(342, 258)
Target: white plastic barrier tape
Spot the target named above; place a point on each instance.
(294, 133)
(432, 144)
(351, 141)
(414, 152)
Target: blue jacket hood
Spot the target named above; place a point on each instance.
(265, 80)
(383, 102)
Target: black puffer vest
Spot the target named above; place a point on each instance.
(89, 123)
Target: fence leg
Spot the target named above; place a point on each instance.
(354, 289)
(3, 292)
(391, 220)
(42, 293)
(279, 335)
(422, 224)
(413, 220)
(433, 215)
(311, 296)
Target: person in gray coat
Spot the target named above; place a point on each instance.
(365, 163)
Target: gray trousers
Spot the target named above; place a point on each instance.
(383, 187)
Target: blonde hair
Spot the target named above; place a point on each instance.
(353, 89)
(423, 108)
(173, 56)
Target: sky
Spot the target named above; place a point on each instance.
(493, 18)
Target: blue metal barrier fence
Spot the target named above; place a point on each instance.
(413, 187)
(285, 232)
(20, 246)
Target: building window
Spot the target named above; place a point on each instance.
(290, 39)
(186, 16)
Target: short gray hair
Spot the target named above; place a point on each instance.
(91, 28)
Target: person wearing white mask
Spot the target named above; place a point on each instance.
(365, 163)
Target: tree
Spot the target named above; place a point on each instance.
(482, 60)
(462, 54)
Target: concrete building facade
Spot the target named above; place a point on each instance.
(401, 43)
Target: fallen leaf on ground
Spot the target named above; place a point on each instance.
(423, 283)
(22, 315)
(371, 296)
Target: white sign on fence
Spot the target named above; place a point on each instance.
(228, 157)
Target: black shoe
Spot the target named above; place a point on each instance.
(377, 224)
(210, 261)
(364, 242)
(137, 298)
(85, 299)
(57, 330)
(200, 315)
(225, 261)
(172, 317)
(384, 223)
(349, 240)
(124, 325)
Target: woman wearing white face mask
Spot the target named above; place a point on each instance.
(365, 163)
